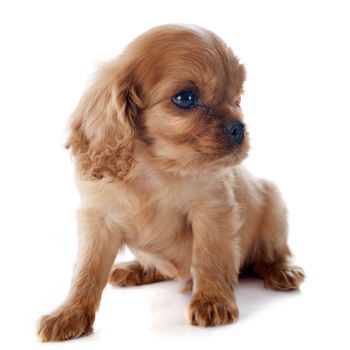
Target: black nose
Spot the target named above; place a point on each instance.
(234, 130)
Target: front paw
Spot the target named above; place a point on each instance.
(68, 322)
(209, 311)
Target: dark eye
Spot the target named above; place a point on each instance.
(185, 99)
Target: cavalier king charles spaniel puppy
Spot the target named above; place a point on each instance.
(158, 139)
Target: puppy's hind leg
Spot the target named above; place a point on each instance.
(272, 259)
(134, 274)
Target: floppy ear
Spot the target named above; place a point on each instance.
(102, 127)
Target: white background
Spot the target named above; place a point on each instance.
(297, 109)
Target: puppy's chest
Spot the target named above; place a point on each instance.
(156, 215)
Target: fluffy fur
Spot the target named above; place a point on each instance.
(168, 183)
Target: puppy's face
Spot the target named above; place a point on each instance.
(171, 97)
(191, 88)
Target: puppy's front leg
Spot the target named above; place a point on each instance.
(215, 265)
(98, 246)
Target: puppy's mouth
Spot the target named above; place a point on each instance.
(230, 146)
(233, 145)
(232, 152)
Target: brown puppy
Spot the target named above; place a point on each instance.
(157, 140)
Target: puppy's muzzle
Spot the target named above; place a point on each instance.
(234, 130)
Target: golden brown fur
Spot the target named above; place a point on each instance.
(168, 184)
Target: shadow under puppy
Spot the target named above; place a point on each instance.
(158, 139)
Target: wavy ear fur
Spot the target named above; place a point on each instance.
(102, 127)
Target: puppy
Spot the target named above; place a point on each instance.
(158, 139)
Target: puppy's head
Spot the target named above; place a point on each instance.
(172, 98)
